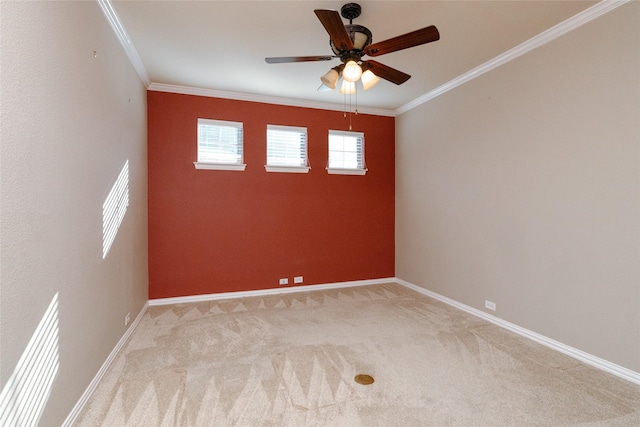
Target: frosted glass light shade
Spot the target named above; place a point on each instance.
(360, 40)
(351, 72)
(330, 79)
(348, 87)
(369, 80)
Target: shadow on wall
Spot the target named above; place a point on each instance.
(114, 208)
(25, 394)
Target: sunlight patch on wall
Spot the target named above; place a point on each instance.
(114, 208)
(25, 394)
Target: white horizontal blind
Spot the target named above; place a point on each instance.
(219, 141)
(286, 146)
(346, 150)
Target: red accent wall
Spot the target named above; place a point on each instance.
(224, 231)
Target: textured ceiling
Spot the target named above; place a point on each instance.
(221, 45)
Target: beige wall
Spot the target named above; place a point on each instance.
(522, 187)
(69, 123)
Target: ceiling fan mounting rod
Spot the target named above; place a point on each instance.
(351, 11)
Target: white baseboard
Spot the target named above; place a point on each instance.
(587, 358)
(71, 418)
(272, 291)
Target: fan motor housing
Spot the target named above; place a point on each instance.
(360, 37)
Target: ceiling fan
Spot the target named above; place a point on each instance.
(351, 42)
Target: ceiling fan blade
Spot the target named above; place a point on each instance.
(332, 22)
(387, 73)
(285, 59)
(414, 38)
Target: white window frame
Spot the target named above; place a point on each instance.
(275, 167)
(229, 166)
(345, 171)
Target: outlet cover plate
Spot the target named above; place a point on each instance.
(490, 305)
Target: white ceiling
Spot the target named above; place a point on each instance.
(221, 45)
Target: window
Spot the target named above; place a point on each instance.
(219, 145)
(287, 149)
(346, 153)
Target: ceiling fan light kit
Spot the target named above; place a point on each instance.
(369, 80)
(352, 71)
(330, 79)
(348, 88)
(351, 42)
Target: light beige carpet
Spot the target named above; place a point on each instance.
(290, 360)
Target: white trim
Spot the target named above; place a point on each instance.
(291, 102)
(71, 418)
(125, 41)
(541, 39)
(552, 33)
(288, 169)
(221, 123)
(340, 136)
(349, 133)
(220, 166)
(587, 358)
(272, 291)
(286, 128)
(341, 171)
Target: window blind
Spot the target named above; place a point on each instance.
(286, 146)
(346, 150)
(220, 141)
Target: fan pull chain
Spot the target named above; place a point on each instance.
(351, 105)
(345, 106)
(350, 97)
(352, 108)
(356, 106)
(356, 100)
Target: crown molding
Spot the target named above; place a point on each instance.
(541, 39)
(125, 41)
(535, 42)
(290, 102)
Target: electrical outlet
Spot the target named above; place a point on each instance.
(284, 281)
(127, 319)
(490, 305)
(298, 279)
